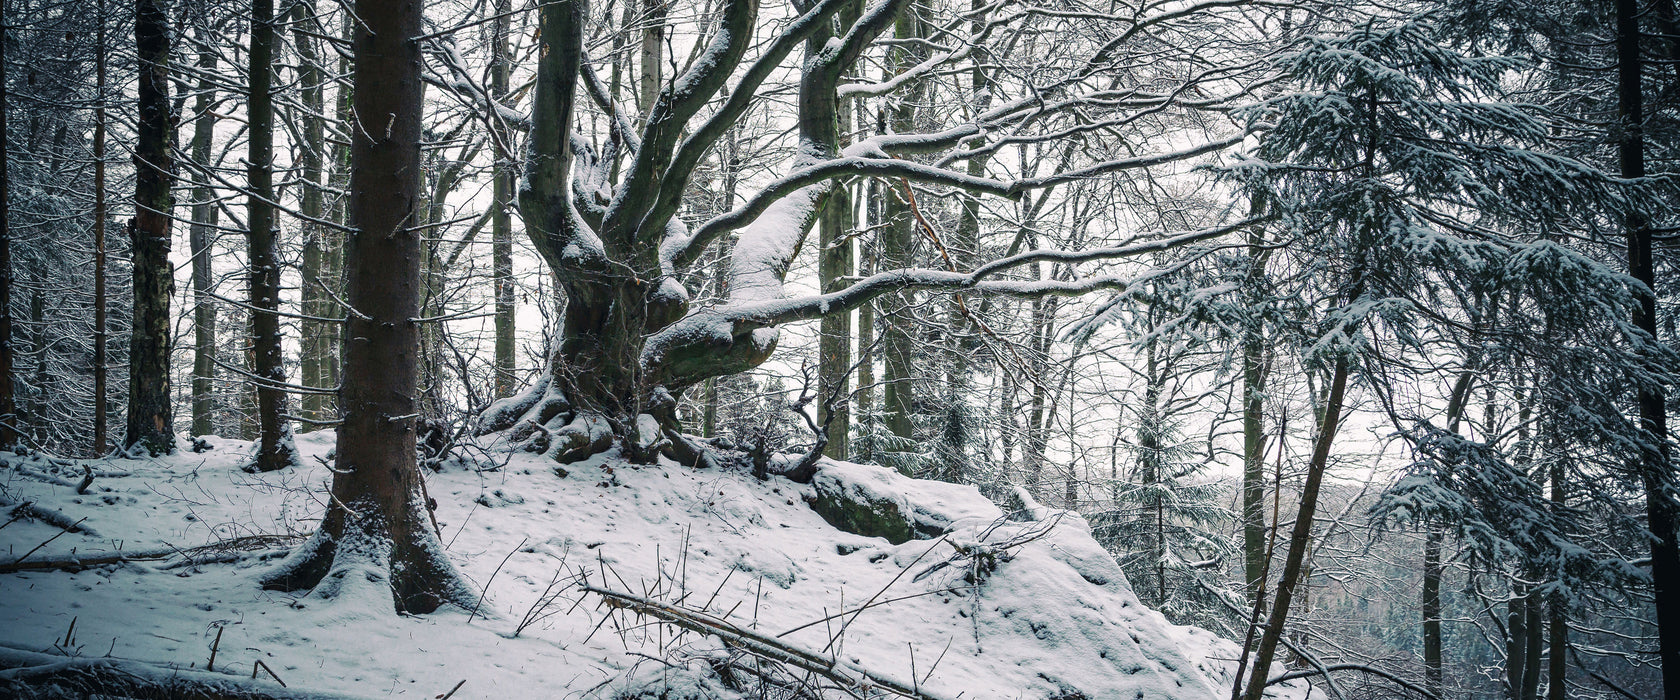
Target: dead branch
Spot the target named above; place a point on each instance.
(52, 517)
(27, 674)
(844, 675)
(188, 557)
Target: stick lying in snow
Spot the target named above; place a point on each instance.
(30, 674)
(765, 646)
(74, 561)
(51, 517)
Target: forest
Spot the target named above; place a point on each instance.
(819, 349)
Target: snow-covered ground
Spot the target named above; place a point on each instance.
(991, 608)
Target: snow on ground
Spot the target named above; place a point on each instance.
(992, 608)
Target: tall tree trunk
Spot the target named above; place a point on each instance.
(834, 351)
(1253, 416)
(501, 214)
(897, 249)
(1151, 467)
(1038, 431)
(1300, 537)
(8, 388)
(274, 447)
(1558, 606)
(313, 345)
(202, 235)
(151, 424)
(865, 404)
(834, 265)
(1516, 641)
(1430, 607)
(101, 214)
(1662, 514)
(375, 539)
(1532, 643)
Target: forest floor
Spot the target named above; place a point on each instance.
(992, 608)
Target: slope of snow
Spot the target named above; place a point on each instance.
(991, 608)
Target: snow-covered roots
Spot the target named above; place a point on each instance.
(367, 560)
(544, 421)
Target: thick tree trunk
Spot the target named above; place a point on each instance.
(274, 447)
(375, 539)
(1300, 537)
(202, 235)
(1662, 513)
(151, 423)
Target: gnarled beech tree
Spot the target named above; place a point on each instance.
(604, 214)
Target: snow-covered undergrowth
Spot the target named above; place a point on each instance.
(989, 607)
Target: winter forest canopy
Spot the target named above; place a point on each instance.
(1177, 349)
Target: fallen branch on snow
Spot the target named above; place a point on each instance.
(28, 509)
(202, 554)
(28, 674)
(761, 645)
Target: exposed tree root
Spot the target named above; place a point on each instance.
(361, 556)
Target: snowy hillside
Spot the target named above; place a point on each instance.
(973, 605)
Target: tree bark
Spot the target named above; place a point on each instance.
(314, 346)
(866, 332)
(1558, 606)
(202, 235)
(1430, 607)
(1662, 514)
(1300, 537)
(8, 389)
(101, 214)
(1253, 416)
(501, 215)
(274, 446)
(653, 53)
(834, 265)
(150, 424)
(376, 539)
(897, 250)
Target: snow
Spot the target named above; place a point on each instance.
(993, 607)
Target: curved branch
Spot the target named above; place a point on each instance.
(544, 201)
(1362, 668)
(686, 251)
(677, 173)
(668, 119)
